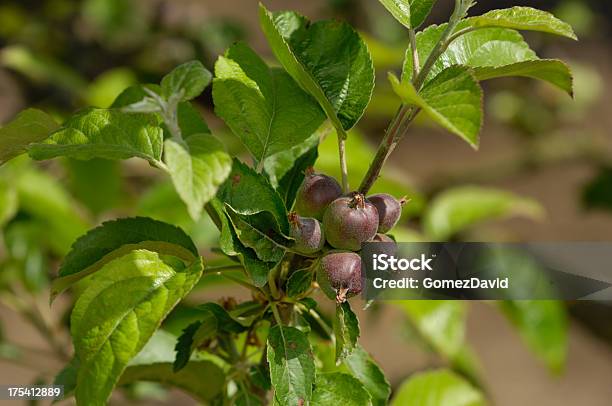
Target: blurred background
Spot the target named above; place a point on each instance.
(543, 172)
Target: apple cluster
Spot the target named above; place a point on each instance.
(324, 217)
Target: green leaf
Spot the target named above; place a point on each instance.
(233, 247)
(299, 282)
(28, 127)
(549, 70)
(189, 80)
(492, 53)
(225, 322)
(440, 322)
(194, 336)
(327, 58)
(346, 330)
(67, 377)
(597, 192)
(263, 106)
(198, 165)
(453, 99)
(457, 209)
(543, 325)
(8, 202)
(107, 134)
(292, 368)
(437, 388)
(248, 193)
(119, 311)
(203, 379)
(96, 183)
(42, 69)
(336, 388)
(363, 367)
(115, 238)
(258, 233)
(410, 13)
(247, 399)
(44, 198)
(134, 94)
(281, 164)
(523, 18)
(190, 120)
(291, 181)
(105, 88)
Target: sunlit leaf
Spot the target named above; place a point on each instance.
(453, 99)
(107, 134)
(457, 209)
(523, 18)
(437, 388)
(115, 238)
(327, 58)
(292, 367)
(263, 106)
(338, 388)
(121, 309)
(198, 165)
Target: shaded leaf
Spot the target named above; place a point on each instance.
(327, 58)
(107, 134)
(28, 127)
(457, 209)
(190, 120)
(225, 322)
(198, 165)
(543, 325)
(247, 399)
(453, 99)
(257, 233)
(363, 367)
(346, 330)
(115, 238)
(231, 245)
(45, 199)
(437, 388)
(248, 193)
(299, 282)
(292, 368)
(8, 202)
(134, 94)
(202, 379)
(96, 183)
(121, 309)
(597, 193)
(67, 377)
(263, 106)
(291, 181)
(336, 388)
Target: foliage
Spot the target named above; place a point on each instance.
(129, 275)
